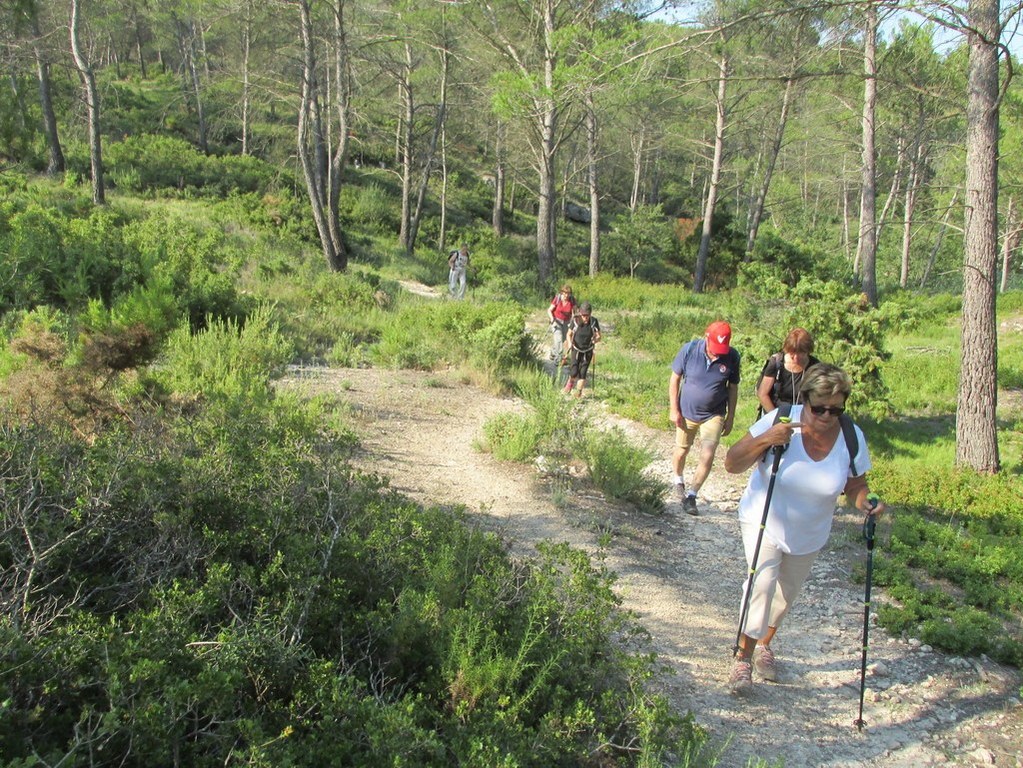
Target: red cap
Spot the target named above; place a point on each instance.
(719, 333)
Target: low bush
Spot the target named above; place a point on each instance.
(618, 469)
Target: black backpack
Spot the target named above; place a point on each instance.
(848, 432)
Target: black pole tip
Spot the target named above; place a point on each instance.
(860, 723)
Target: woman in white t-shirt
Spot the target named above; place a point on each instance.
(814, 471)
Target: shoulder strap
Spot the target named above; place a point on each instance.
(851, 443)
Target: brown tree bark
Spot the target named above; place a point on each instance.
(976, 426)
(866, 248)
(92, 102)
(715, 177)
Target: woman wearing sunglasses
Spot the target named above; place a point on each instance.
(813, 472)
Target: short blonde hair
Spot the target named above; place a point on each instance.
(824, 380)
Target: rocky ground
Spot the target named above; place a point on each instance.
(682, 576)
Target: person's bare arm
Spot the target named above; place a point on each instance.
(744, 454)
(856, 493)
(733, 399)
(674, 388)
(764, 392)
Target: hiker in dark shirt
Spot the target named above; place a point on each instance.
(783, 372)
(583, 335)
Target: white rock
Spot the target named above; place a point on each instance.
(914, 642)
(925, 649)
(983, 756)
(879, 669)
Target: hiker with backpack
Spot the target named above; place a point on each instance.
(458, 265)
(825, 455)
(560, 311)
(583, 335)
(783, 372)
(702, 392)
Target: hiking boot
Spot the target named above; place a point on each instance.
(741, 679)
(766, 666)
(569, 386)
(678, 493)
(689, 505)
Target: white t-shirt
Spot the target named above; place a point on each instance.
(805, 491)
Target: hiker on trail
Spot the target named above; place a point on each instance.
(458, 264)
(816, 467)
(583, 335)
(702, 392)
(560, 311)
(783, 372)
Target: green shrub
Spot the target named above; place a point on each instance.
(618, 468)
(226, 359)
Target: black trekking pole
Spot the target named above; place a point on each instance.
(868, 533)
(778, 451)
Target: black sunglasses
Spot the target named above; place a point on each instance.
(832, 410)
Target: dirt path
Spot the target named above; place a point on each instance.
(681, 576)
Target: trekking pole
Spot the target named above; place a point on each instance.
(868, 533)
(778, 451)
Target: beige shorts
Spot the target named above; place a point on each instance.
(709, 431)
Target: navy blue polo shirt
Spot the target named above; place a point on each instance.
(705, 391)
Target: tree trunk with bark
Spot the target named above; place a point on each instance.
(715, 177)
(322, 183)
(976, 426)
(591, 165)
(772, 158)
(92, 102)
(866, 249)
(56, 162)
(1010, 242)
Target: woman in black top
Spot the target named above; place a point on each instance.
(783, 373)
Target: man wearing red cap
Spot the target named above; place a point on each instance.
(704, 405)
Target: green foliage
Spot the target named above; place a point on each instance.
(374, 208)
(226, 359)
(219, 586)
(618, 469)
(550, 427)
(426, 335)
(637, 239)
(149, 163)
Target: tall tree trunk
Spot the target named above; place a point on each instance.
(715, 177)
(343, 109)
(909, 207)
(1010, 242)
(56, 162)
(937, 241)
(246, 95)
(893, 191)
(311, 149)
(638, 143)
(546, 223)
(406, 121)
(866, 248)
(772, 158)
(92, 102)
(431, 152)
(976, 428)
(442, 240)
(137, 27)
(591, 165)
(497, 219)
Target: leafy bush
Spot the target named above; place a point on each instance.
(618, 468)
(226, 359)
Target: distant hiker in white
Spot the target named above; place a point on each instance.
(458, 264)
